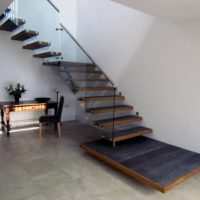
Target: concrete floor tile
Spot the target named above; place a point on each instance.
(35, 197)
(57, 169)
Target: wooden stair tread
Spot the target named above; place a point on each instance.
(24, 35)
(69, 64)
(2, 16)
(84, 71)
(54, 63)
(101, 98)
(47, 54)
(130, 133)
(36, 45)
(77, 64)
(4, 13)
(90, 80)
(11, 25)
(106, 109)
(98, 88)
(118, 121)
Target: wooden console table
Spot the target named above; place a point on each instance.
(8, 107)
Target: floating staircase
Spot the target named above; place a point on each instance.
(102, 101)
(13, 24)
(149, 161)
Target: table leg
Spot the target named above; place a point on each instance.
(8, 127)
(2, 120)
(8, 121)
(55, 109)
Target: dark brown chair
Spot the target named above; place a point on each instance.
(53, 118)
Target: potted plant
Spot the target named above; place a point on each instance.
(16, 90)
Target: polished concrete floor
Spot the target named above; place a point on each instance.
(57, 169)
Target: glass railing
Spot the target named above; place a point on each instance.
(39, 16)
(88, 81)
(81, 73)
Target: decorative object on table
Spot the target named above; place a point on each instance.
(16, 90)
(42, 99)
(57, 94)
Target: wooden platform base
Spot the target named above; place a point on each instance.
(156, 164)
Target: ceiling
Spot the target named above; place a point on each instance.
(170, 10)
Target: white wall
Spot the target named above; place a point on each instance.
(171, 10)
(191, 27)
(68, 14)
(18, 65)
(154, 64)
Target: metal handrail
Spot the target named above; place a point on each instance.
(56, 8)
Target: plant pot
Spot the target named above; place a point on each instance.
(16, 99)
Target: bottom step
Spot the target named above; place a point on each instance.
(130, 133)
(153, 163)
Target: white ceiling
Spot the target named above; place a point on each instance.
(171, 10)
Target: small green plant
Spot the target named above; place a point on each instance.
(16, 90)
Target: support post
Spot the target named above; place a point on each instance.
(113, 123)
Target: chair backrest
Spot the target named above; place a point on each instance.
(60, 108)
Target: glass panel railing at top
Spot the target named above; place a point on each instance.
(71, 51)
(78, 66)
(87, 80)
(40, 16)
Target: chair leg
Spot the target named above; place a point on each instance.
(40, 131)
(59, 129)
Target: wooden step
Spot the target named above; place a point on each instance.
(84, 71)
(47, 54)
(24, 35)
(96, 88)
(4, 13)
(36, 45)
(10, 25)
(130, 133)
(107, 109)
(77, 64)
(101, 98)
(118, 121)
(90, 80)
(54, 63)
(73, 65)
